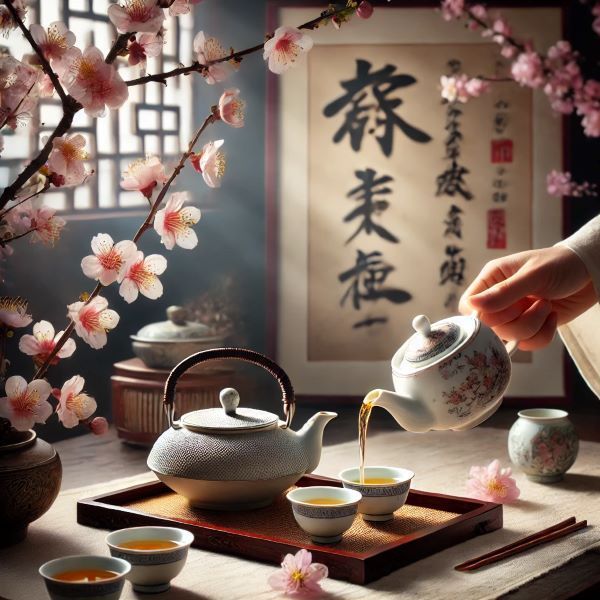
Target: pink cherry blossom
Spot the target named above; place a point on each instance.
(298, 574)
(364, 10)
(475, 87)
(92, 82)
(173, 222)
(6, 19)
(231, 108)
(48, 227)
(210, 161)
(13, 312)
(110, 261)
(141, 277)
(98, 425)
(208, 49)
(181, 7)
(499, 32)
(93, 320)
(73, 404)
(144, 175)
(560, 184)
(284, 48)
(67, 158)
(528, 69)
(25, 403)
(452, 9)
(19, 91)
(492, 484)
(459, 88)
(53, 42)
(144, 46)
(136, 15)
(41, 344)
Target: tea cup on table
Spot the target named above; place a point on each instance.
(324, 512)
(94, 577)
(156, 554)
(385, 490)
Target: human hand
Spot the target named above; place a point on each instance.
(525, 296)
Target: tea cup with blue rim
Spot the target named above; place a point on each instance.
(384, 491)
(156, 554)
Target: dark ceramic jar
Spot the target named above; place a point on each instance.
(30, 476)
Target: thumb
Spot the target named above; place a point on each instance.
(505, 293)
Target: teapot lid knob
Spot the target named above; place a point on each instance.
(177, 315)
(230, 400)
(422, 325)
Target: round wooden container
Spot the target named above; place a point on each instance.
(137, 397)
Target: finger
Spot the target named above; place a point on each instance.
(528, 324)
(544, 336)
(508, 314)
(505, 293)
(490, 275)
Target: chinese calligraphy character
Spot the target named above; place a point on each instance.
(381, 84)
(370, 187)
(501, 117)
(368, 277)
(453, 222)
(453, 268)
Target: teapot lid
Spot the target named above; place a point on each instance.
(430, 342)
(229, 418)
(175, 329)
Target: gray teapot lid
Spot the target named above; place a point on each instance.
(229, 418)
(175, 329)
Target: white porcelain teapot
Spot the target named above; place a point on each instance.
(451, 374)
(231, 457)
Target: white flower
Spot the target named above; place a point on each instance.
(284, 47)
(173, 222)
(42, 343)
(93, 320)
(74, 406)
(141, 277)
(13, 312)
(25, 403)
(136, 15)
(211, 162)
(208, 49)
(109, 261)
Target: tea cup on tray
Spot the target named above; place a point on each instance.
(385, 490)
(156, 554)
(324, 512)
(97, 577)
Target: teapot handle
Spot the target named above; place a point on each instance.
(511, 346)
(256, 358)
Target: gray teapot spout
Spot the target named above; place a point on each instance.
(410, 414)
(311, 437)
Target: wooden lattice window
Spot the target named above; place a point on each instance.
(155, 120)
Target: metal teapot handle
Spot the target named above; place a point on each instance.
(256, 358)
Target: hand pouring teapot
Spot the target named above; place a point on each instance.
(231, 458)
(448, 375)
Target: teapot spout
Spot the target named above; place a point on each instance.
(410, 414)
(311, 437)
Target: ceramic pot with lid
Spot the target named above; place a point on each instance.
(234, 457)
(164, 344)
(451, 374)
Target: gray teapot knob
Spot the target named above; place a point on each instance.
(177, 315)
(230, 400)
(422, 325)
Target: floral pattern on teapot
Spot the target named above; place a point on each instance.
(487, 376)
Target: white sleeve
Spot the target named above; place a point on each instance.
(586, 244)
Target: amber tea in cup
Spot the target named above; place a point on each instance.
(324, 501)
(148, 544)
(85, 575)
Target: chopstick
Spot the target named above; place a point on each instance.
(541, 537)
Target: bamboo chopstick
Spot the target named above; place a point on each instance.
(541, 537)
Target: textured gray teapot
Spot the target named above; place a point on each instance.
(232, 458)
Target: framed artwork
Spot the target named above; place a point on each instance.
(385, 202)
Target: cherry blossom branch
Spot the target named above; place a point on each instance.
(147, 224)
(232, 56)
(5, 241)
(43, 61)
(120, 44)
(44, 189)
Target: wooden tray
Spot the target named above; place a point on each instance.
(426, 524)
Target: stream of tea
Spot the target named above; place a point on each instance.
(363, 422)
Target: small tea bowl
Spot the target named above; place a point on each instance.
(103, 589)
(379, 500)
(324, 523)
(151, 569)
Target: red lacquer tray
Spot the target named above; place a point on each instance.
(426, 524)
